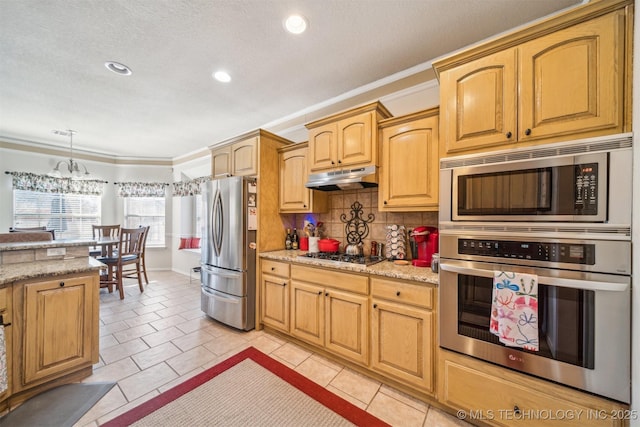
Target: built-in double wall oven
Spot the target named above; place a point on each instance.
(559, 213)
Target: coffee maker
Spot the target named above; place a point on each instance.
(426, 239)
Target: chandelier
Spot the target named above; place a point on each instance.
(72, 167)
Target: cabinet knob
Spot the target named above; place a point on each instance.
(284, 284)
(332, 162)
(304, 206)
(384, 202)
(509, 134)
(273, 269)
(339, 161)
(326, 294)
(527, 132)
(319, 292)
(375, 305)
(398, 293)
(61, 284)
(516, 410)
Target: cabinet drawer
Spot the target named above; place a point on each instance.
(4, 292)
(276, 268)
(402, 292)
(334, 279)
(502, 399)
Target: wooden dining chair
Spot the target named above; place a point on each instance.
(141, 266)
(129, 252)
(101, 232)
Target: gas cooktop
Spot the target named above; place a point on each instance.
(337, 259)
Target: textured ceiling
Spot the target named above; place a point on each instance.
(52, 55)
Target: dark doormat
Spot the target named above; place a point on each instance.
(59, 407)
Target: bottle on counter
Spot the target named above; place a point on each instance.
(294, 239)
(288, 240)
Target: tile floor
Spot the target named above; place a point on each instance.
(152, 341)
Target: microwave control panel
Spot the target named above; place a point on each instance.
(586, 188)
(572, 253)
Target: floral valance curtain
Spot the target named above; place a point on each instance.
(141, 189)
(47, 184)
(189, 188)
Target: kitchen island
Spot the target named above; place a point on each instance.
(49, 306)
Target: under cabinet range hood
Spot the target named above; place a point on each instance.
(347, 179)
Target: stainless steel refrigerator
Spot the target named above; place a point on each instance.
(228, 264)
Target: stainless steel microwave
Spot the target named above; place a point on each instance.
(584, 181)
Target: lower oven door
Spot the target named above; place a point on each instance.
(583, 325)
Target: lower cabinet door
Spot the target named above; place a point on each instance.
(307, 312)
(402, 343)
(347, 325)
(58, 333)
(275, 302)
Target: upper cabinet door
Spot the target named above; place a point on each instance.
(294, 196)
(409, 165)
(479, 100)
(323, 150)
(244, 157)
(221, 162)
(571, 80)
(355, 140)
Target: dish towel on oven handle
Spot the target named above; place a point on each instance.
(3, 360)
(514, 309)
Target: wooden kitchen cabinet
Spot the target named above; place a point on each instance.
(59, 332)
(330, 309)
(274, 291)
(409, 168)
(244, 157)
(560, 79)
(221, 162)
(345, 140)
(403, 321)
(6, 314)
(502, 397)
(294, 196)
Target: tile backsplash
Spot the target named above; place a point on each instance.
(340, 202)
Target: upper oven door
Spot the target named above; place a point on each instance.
(567, 189)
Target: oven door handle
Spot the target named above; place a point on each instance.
(587, 285)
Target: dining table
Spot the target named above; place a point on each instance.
(107, 245)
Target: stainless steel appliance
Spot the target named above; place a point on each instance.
(560, 211)
(584, 306)
(228, 264)
(568, 184)
(345, 179)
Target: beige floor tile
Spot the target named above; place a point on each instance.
(117, 317)
(316, 371)
(124, 408)
(437, 418)
(108, 341)
(395, 412)
(134, 332)
(292, 353)
(167, 322)
(114, 371)
(347, 397)
(155, 355)
(120, 351)
(264, 343)
(162, 336)
(404, 398)
(194, 339)
(153, 300)
(146, 381)
(113, 327)
(356, 385)
(225, 343)
(190, 360)
(193, 325)
(142, 319)
(149, 308)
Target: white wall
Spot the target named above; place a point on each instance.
(112, 206)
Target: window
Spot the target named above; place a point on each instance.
(71, 215)
(146, 211)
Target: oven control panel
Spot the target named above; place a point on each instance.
(572, 253)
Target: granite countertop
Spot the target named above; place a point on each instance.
(62, 243)
(384, 268)
(10, 273)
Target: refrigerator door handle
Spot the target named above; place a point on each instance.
(217, 222)
(219, 297)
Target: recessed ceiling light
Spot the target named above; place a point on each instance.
(295, 24)
(118, 68)
(222, 76)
